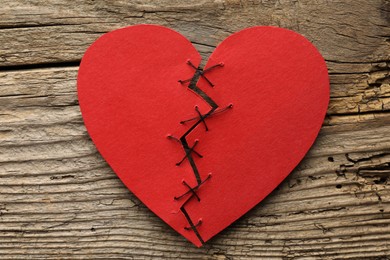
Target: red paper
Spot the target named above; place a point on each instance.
(131, 100)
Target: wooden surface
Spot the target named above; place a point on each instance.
(59, 199)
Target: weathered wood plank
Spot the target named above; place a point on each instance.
(58, 31)
(59, 199)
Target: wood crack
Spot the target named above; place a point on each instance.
(40, 66)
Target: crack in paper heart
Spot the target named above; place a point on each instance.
(199, 72)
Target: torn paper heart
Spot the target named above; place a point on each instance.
(202, 147)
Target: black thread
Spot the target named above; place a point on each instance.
(192, 190)
(196, 225)
(200, 72)
(191, 149)
(192, 226)
(190, 159)
(217, 111)
(201, 118)
(188, 152)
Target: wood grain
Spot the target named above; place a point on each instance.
(60, 200)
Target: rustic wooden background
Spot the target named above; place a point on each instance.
(59, 199)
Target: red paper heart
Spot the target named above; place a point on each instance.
(131, 101)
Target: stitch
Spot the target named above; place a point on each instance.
(217, 111)
(191, 160)
(192, 190)
(188, 151)
(192, 148)
(200, 72)
(196, 225)
(192, 226)
(201, 118)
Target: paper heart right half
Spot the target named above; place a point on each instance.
(202, 147)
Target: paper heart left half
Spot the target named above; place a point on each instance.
(202, 147)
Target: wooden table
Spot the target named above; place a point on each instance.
(59, 199)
